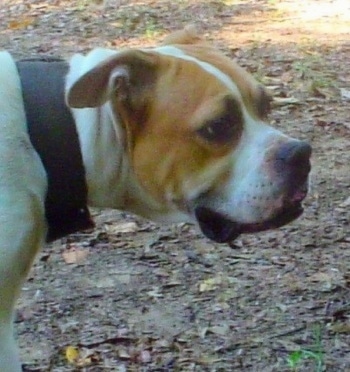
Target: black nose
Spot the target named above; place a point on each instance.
(294, 153)
(292, 162)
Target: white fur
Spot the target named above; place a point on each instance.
(22, 192)
(178, 53)
(110, 182)
(248, 196)
(110, 178)
(248, 169)
(101, 137)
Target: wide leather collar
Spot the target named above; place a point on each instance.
(53, 134)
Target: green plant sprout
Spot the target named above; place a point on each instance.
(315, 352)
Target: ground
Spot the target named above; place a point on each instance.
(135, 296)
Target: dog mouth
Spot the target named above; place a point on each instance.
(221, 229)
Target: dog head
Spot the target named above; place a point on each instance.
(196, 138)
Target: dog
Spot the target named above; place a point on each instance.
(174, 133)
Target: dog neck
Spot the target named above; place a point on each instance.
(83, 151)
(105, 165)
(109, 174)
(53, 134)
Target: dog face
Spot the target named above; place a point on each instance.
(196, 138)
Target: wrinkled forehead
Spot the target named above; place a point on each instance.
(240, 83)
(206, 66)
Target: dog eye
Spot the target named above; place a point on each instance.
(226, 127)
(221, 131)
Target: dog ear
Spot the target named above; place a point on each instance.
(123, 77)
(188, 35)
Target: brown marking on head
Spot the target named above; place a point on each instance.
(170, 123)
(254, 95)
(197, 147)
(179, 134)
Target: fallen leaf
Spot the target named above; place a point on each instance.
(287, 77)
(202, 332)
(282, 101)
(163, 344)
(155, 293)
(161, 273)
(72, 354)
(282, 307)
(75, 255)
(327, 281)
(121, 228)
(320, 277)
(145, 356)
(123, 354)
(341, 327)
(208, 360)
(345, 94)
(21, 23)
(221, 306)
(172, 283)
(345, 203)
(210, 284)
(220, 330)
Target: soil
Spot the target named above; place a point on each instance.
(135, 296)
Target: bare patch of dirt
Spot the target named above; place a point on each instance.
(134, 296)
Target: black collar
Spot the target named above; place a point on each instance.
(54, 136)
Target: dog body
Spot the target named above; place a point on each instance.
(173, 133)
(22, 194)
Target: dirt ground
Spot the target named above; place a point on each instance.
(135, 296)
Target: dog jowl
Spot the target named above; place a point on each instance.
(175, 133)
(199, 149)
